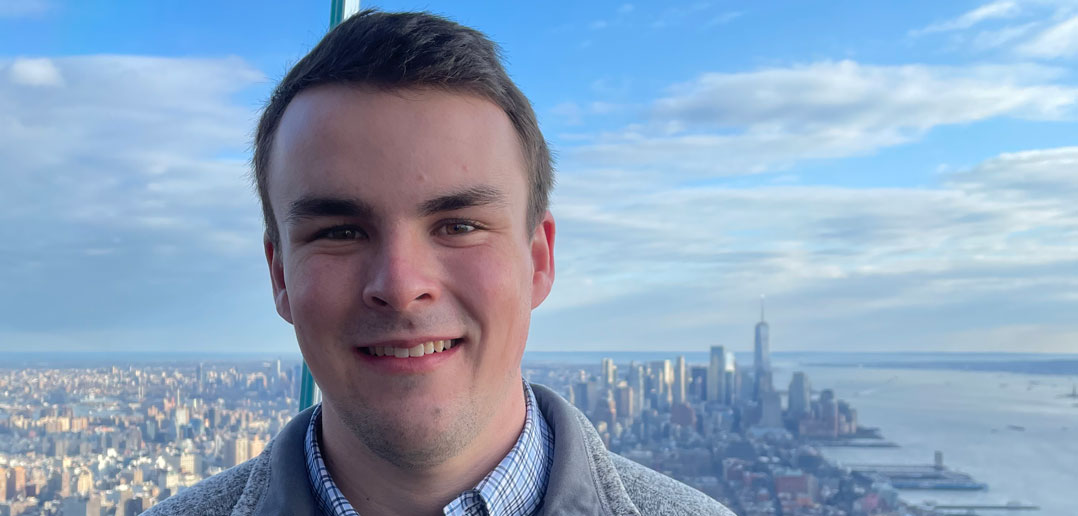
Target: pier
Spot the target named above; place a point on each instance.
(967, 510)
(917, 476)
(854, 443)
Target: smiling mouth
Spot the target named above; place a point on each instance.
(419, 350)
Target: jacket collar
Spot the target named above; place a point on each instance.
(289, 490)
(583, 479)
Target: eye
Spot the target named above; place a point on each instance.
(341, 233)
(459, 227)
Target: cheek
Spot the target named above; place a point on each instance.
(320, 286)
(493, 275)
(495, 287)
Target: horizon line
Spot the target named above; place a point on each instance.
(612, 351)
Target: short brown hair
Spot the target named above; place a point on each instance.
(402, 50)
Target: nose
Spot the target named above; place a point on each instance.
(399, 276)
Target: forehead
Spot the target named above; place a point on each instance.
(392, 145)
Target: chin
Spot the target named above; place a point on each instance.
(410, 440)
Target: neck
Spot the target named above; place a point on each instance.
(377, 487)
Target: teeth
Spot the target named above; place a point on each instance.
(426, 348)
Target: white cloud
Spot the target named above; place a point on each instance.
(994, 10)
(743, 123)
(1049, 176)
(35, 72)
(713, 155)
(21, 8)
(1003, 37)
(1038, 29)
(998, 239)
(573, 114)
(1058, 40)
(846, 93)
(570, 112)
(724, 18)
(120, 158)
(689, 14)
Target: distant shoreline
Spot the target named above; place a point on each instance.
(1038, 367)
(1023, 363)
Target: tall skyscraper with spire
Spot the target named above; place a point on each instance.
(762, 348)
(762, 355)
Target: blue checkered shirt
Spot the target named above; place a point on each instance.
(515, 487)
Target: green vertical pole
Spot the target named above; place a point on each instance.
(309, 393)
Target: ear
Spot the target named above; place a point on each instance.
(276, 270)
(542, 250)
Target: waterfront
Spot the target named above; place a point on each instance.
(1014, 432)
(971, 417)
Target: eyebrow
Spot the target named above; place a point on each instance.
(314, 207)
(467, 198)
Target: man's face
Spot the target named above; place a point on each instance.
(402, 218)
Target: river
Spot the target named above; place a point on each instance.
(1014, 432)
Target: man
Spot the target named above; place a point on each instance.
(404, 183)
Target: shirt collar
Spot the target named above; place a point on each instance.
(514, 487)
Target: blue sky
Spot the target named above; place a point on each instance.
(892, 177)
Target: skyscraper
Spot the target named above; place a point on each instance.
(679, 380)
(770, 410)
(585, 395)
(668, 375)
(762, 357)
(662, 374)
(762, 348)
(609, 372)
(236, 449)
(800, 396)
(698, 382)
(829, 412)
(715, 375)
(729, 379)
(636, 381)
(623, 402)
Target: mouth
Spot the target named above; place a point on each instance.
(419, 350)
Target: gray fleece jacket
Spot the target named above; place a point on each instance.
(585, 478)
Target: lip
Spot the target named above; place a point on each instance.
(407, 343)
(412, 365)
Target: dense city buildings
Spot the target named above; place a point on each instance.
(116, 440)
(113, 441)
(754, 453)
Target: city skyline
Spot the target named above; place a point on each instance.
(95, 439)
(121, 439)
(894, 177)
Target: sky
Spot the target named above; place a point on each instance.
(896, 177)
